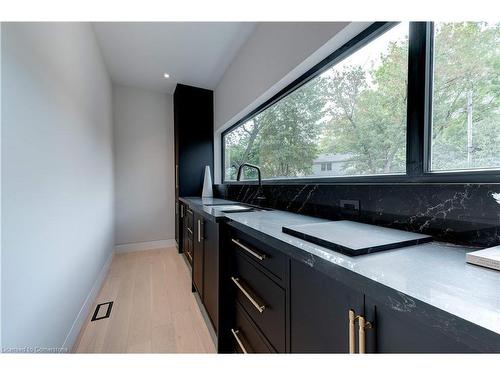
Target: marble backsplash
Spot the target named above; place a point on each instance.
(466, 214)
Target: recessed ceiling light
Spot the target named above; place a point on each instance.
(166, 75)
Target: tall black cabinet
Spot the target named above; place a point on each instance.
(194, 148)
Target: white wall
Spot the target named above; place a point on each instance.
(144, 160)
(0, 187)
(274, 56)
(272, 51)
(57, 180)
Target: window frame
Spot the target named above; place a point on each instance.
(419, 116)
(476, 175)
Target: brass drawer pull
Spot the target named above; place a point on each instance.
(189, 230)
(189, 211)
(363, 324)
(260, 307)
(235, 334)
(248, 250)
(352, 333)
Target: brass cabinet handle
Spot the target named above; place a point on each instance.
(260, 307)
(352, 333)
(235, 334)
(189, 211)
(189, 255)
(182, 210)
(189, 230)
(248, 250)
(363, 325)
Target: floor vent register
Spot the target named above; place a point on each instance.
(102, 311)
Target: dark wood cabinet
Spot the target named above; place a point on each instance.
(198, 255)
(194, 132)
(263, 300)
(264, 255)
(178, 225)
(319, 311)
(396, 331)
(245, 336)
(193, 143)
(210, 233)
(188, 233)
(254, 286)
(180, 212)
(320, 320)
(205, 270)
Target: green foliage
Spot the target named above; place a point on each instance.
(466, 62)
(360, 112)
(282, 140)
(370, 119)
(289, 132)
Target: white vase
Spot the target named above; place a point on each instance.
(207, 191)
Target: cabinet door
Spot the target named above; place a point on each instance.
(399, 332)
(319, 311)
(193, 121)
(246, 337)
(210, 233)
(198, 254)
(187, 236)
(179, 225)
(177, 222)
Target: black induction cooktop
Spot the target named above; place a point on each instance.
(352, 238)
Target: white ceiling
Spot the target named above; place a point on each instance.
(194, 53)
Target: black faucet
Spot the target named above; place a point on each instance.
(260, 192)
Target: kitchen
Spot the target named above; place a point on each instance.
(251, 187)
(268, 246)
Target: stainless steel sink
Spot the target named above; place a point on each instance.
(218, 204)
(235, 208)
(232, 208)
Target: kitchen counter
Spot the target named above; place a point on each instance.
(434, 273)
(205, 205)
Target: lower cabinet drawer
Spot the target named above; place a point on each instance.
(188, 249)
(264, 255)
(246, 337)
(262, 299)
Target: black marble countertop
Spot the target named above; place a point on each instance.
(435, 273)
(208, 206)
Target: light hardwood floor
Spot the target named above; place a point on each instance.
(153, 310)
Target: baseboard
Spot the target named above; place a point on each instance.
(140, 246)
(70, 340)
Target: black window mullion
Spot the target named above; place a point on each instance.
(418, 91)
(428, 99)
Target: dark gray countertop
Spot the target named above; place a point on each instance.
(204, 205)
(434, 273)
(353, 238)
